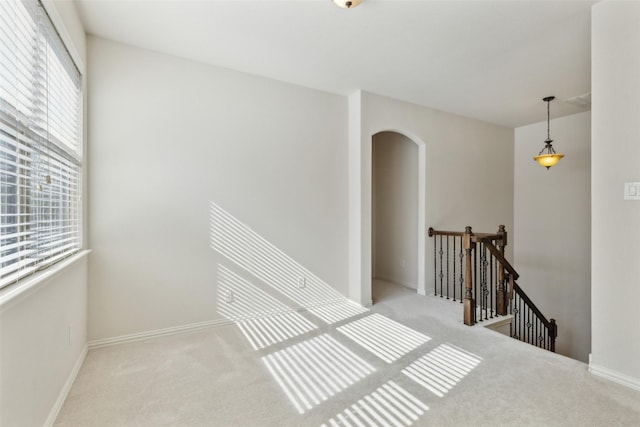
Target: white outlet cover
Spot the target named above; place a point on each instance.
(632, 191)
(229, 298)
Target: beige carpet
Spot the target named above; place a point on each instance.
(407, 361)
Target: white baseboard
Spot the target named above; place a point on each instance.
(397, 282)
(614, 376)
(55, 410)
(158, 333)
(106, 342)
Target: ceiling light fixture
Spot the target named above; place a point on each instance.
(347, 4)
(550, 157)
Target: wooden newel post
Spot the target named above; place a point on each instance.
(469, 303)
(553, 334)
(502, 300)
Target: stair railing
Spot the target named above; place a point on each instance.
(471, 268)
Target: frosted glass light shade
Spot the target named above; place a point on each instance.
(347, 4)
(548, 160)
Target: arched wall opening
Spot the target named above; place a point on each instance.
(360, 242)
(370, 115)
(394, 210)
(453, 152)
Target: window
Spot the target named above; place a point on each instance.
(40, 143)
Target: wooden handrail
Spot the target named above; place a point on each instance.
(530, 303)
(514, 274)
(505, 282)
(550, 324)
(476, 237)
(432, 232)
(501, 259)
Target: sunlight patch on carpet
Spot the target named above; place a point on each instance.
(388, 405)
(313, 371)
(387, 339)
(442, 368)
(337, 311)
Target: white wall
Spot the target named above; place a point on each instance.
(168, 138)
(39, 354)
(395, 209)
(615, 231)
(552, 234)
(465, 173)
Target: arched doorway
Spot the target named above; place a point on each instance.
(394, 213)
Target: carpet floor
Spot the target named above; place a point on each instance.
(406, 361)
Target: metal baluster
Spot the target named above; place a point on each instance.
(547, 338)
(514, 321)
(512, 303)
(461, 280)
(483, 260)
(525, 309)
(435, 266)
(481, 280)
(448, 238)
(516, 314)
(529, 313)
(495, 285)
(491, 261)
(453, 257)
(485, 289)
(531, 329)
(476, 284)
(526, 325)
(520, 310)
(534, 328)
(441, 274)
(526, 322)
(522, 314)
(479, 284)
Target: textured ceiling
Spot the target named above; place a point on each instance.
(490, 60)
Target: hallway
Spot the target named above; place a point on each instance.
(407, 361)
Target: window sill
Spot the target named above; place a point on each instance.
(29, 284)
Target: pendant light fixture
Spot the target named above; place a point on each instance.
(550, 157)
(347, 4)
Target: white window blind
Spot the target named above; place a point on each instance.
(40, 143)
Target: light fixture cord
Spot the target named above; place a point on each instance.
(548, 147)
(548, 119)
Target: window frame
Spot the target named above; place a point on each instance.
(71, 161)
